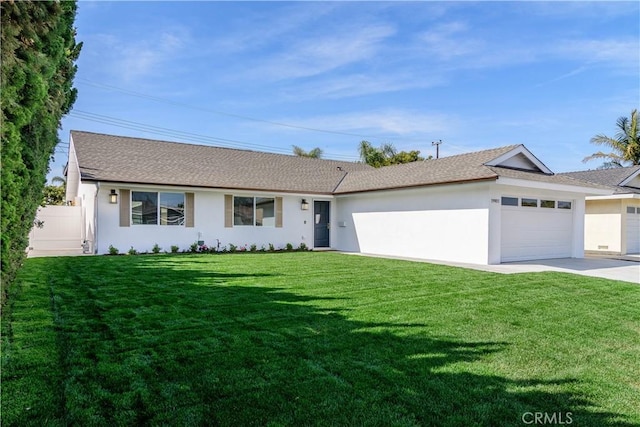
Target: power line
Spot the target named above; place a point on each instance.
(222, 113)
(185, 136)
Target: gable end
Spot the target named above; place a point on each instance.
(520, 159)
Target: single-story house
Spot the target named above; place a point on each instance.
(486, 207)
(612, 222)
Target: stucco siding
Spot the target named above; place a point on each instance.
(603, 226)
(209, 225)
(448, 223)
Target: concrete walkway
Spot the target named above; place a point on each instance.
(627, 270)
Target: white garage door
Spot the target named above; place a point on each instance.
(633, 230)
(536, 228)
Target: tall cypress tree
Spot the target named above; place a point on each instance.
(39, 51)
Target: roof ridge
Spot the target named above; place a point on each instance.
(601, 170)
(246, 150)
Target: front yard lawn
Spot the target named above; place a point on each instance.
(314, 339)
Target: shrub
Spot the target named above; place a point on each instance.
(253, 247)
(132, 251)
(289, 246)
(174, 249)
(232, 247)
(271, 247)
(303, 247)
(194, 247)
(113, 250)
(156, 249)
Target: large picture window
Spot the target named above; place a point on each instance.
(157, 208)
(255, 211)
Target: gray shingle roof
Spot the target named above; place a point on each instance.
(609, 177)
(460, 168)
(144, 161)
(136, 160)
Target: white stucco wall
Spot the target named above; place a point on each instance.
(603, 226)
(448, 223)
(209, 223)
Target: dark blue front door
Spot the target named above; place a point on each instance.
(321, 224)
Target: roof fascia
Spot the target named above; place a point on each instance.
(552, 186)
(407, 187)
(520, 149)
(161, 186)
(629, 178)
(615, 197)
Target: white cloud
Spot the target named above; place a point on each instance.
(615, 53)
(315, 56)
(132, 60)
(381, 123)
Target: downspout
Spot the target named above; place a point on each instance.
(95, 219)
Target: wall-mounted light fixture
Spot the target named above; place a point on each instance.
(304, 205)
(113, 197)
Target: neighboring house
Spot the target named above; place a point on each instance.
(486, 207)
(612, 222)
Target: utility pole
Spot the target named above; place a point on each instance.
(437, 144)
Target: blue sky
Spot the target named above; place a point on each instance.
(269, 75)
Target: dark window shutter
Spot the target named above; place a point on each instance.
(125, 208)
(279, 212)
(189, 208)
(228, 210)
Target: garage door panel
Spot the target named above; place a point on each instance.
(535, 233)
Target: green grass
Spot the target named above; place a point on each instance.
(313, 339)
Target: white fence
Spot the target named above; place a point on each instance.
(61, 232)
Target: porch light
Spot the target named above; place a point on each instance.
(304, 205)
(113, 197)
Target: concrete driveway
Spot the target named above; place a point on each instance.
(627, 269)
(608, 268)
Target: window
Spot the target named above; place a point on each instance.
(243, 211)
(564, 205)
(530, 203)
(631, 209)
(509, 201)
(171, 209)
(265, 212)
(257, 211)
(548, 204)
(145, 208)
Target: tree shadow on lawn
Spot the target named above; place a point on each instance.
(207, 351)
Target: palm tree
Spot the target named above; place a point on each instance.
(316, 153)
(625, 145)
(60, 180)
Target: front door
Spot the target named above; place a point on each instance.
(321, 224)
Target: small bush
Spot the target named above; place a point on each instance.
(253, 248)
(303, 247)
(232, 247)
(194, 247)
(289, 246)
(132, 251)
(174, 249)
(271, 247)
(156, 249)
(113, 250)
